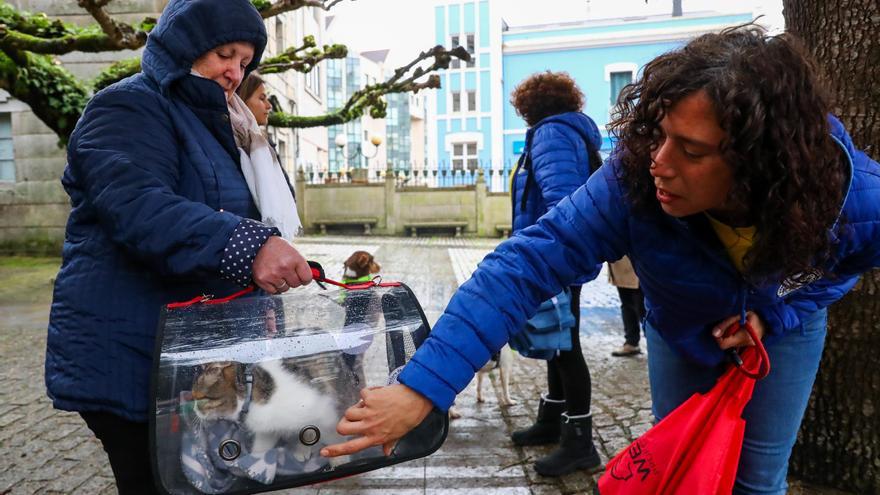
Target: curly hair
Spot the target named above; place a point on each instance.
(767, 97)
(544, 94)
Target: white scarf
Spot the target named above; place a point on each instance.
(262, 171)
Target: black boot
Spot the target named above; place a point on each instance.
(576, 449)
(546, 428)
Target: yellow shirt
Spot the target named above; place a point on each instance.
(736, 240)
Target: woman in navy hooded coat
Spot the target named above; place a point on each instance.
(161, 213)
(736, 195)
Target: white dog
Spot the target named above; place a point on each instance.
(503, 361)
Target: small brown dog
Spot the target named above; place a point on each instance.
(359, 266)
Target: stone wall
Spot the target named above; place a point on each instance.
(346, 205)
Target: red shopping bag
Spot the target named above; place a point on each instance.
(695, 449)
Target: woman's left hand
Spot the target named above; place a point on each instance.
(741, 338)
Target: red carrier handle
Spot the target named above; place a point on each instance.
(317, 275)
(763, 359)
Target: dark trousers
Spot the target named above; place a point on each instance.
(567, 374)
(127, 444)
(632, 310)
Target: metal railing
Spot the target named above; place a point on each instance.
(496, 176)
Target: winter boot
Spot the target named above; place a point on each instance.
(576, 449)
(546, 428)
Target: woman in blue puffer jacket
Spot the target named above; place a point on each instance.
(561, 149)
(736, 196)
(161, 212)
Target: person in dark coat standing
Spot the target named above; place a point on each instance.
(562, 147)
(632, 305)
(161, 212)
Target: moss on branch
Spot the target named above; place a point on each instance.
(52, 93)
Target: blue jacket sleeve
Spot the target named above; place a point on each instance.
(124, 157)
(582, 231)
(858, 252)
(559, 162)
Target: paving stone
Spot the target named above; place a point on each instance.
(47, 451)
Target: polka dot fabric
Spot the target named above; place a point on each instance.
(238, 257)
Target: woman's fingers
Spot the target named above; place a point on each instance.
(279, 267)
(349, 447)
(741, 338)
(723, 325)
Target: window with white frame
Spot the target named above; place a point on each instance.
(7, 155)
(279, 36)
(295, 146)
(464, 154)
(472, 101)
(465, 101)
(618, 81)
(282, 153)
(470, 45)
(313, 81)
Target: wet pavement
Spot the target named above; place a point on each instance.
(47, 451)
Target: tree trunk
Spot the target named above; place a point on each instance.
(839, 441)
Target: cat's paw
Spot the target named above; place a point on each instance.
(340, 460)
(302, 454)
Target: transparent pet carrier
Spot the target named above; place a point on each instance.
(248, 391)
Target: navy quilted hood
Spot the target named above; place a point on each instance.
(189, 28)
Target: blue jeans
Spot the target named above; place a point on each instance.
(774, 414)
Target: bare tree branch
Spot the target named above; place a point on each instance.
(270, 9)
(302, 58)
(370, 97)
(31, 74)
(37, 33)
(98, 42)
(122, 34)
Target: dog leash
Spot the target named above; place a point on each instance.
(318, 276)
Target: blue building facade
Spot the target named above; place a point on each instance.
(476, 124)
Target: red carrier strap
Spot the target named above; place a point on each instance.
(764, 359)
(317, 276)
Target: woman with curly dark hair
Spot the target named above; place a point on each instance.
(562, 147)
(737, 197)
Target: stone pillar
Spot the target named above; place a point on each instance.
(481, 202)
(299, 187)
(391, 219)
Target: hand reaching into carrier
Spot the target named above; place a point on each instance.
(381, 417)
(741, 338)
(279, 267)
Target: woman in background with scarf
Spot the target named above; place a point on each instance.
(249, 113)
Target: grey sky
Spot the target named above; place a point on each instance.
(407, 26)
